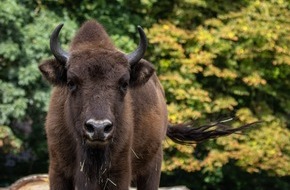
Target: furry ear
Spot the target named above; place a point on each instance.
(53, 71)
(140, 73)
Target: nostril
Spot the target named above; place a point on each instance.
(108, 128)
(89, 127)
(98, 127)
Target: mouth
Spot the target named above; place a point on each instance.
(97, 143)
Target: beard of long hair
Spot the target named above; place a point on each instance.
(95, 163)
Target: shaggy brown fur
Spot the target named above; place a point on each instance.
(93, 84)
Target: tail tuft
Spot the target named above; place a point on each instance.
(188, 134)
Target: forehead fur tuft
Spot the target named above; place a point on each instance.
(92, 34)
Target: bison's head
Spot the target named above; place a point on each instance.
(97, 80)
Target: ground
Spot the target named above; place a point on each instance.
(40, 182)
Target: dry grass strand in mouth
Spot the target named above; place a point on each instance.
(109, 181)
(188, 134)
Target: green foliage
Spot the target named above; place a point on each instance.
(234, 62)
(213, 58)
(24, 34)
(8, 142)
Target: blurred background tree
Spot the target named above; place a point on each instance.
(214, 59)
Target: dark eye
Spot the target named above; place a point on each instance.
(124, 86)
(71, 85)
(124, 83)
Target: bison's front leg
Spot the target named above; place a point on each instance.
(119, 178)
(61, 167)
(122, 183)
(58, 179)
(151, 178)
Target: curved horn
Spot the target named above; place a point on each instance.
(59, 54)
(135, 56)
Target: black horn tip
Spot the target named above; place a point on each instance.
(138, 54)
(142, 36)
(55, 47)
(140, 29)
(59, 26)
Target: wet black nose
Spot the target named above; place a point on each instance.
(98, 129)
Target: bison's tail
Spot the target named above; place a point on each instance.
(189, 134)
